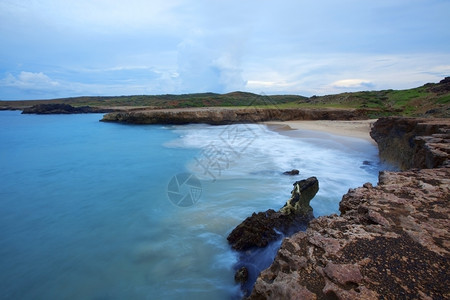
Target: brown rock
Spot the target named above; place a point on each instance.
(413, 142)
(344, 274)
(391, 241)
(356, 256)
(223, 115)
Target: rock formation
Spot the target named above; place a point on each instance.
(57, 108)
(391, 241)
(413, 143)
(262, 228)
(292, 172)
(258, 237)
(223, 115)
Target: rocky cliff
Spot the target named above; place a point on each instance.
(391, 241)
(413, 143)
(222, 115)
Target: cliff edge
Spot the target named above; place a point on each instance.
(224, 115)
(391, 241)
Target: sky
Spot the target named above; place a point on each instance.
(61, 48)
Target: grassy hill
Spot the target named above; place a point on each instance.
(432, 99)
(164, 101)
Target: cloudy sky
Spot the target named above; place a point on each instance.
(62, 48)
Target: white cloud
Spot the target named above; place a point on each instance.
(352, 83)
(30, 81)
(182, 46)
(205, 64)
(441, 70)
(320, 74)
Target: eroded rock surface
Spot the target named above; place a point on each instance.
(223, 115)
(412, 142)
(391, 241)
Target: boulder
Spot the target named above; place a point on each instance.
(292, 172)
(241, 275)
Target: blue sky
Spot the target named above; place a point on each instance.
(60, 48)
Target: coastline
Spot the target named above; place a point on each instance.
(386, 237)
(355, 128)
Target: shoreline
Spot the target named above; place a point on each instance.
(355, 128)
(364, 251)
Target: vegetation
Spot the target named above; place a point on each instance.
(166, 101)
(431, 99)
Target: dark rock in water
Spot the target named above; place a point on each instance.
(259, 236)
(292, 172)
(59, 108)
(256, 231)
(303, 192)
(241, 275)
(262, 228)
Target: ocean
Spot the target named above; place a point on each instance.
(92, 210)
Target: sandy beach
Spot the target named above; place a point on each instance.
(356, 129)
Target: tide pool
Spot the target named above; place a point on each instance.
(85, 211)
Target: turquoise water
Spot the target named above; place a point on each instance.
(85, 211)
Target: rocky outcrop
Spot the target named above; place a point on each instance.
(46, 109)
(412, 142)
(223, 115)
(262, 228)
(390, 241)
(442, 87)
(258, 237)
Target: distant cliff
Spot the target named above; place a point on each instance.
(59, 108)
(390, 241)
(222, 115)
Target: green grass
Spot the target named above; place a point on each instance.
(443, 99)
(411, 102)
(402, 98)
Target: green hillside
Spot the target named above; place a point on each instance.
(432, 99)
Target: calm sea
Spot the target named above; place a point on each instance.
(92, 210)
